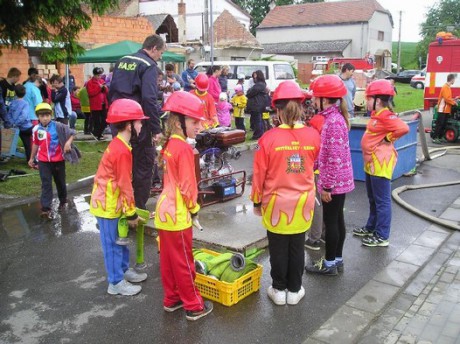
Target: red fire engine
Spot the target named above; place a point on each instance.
(443, 59)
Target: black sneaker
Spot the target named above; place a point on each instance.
(313, 245)
(174, 307)
(375, 241)
(320, 268)
(195, 315)
(362, 232)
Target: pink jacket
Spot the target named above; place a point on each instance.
(214, 88)
(223, 113)
(334, 162)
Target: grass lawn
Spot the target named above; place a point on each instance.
(408, 98)
(30, 185)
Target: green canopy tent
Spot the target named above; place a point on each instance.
(111, 53)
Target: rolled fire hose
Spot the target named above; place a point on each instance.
(427, 156)
(237, 262)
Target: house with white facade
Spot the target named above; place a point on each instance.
(197, 13)
(318, 31)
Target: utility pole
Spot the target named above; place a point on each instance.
(399, 43)
(211, 33)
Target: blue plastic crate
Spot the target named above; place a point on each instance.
(406, 147)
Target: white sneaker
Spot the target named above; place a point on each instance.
(124, 288)
(277, 296)
(294, 298)
(133, 276)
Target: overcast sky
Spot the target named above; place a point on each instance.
(413, 13)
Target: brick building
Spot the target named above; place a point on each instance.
(104, 30)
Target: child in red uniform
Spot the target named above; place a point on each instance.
(283, 192)
(201, 91)
(113, 196)
(379, 156)
(176, 206)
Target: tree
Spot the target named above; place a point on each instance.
(258, 9)
(443, 16)
(54, 23)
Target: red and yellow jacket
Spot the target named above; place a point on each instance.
(210, 112)
(180, 192)
(379, 153)
(112, 194)
(283, 178)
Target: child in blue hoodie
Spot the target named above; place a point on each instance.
(18, 117)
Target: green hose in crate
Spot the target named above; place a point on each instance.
(229, 275)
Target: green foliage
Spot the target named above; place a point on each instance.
(52, 22)
(409, 55)
(438, 18)
(258, 9)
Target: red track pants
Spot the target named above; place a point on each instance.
(177, 269)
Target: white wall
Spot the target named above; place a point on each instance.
(194, 13)
(357, 48)
(380, 22)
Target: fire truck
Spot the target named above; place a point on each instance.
(336, 63)
(443, 59)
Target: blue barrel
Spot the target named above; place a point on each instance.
(406, 147)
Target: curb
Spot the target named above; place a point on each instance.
(79, 184)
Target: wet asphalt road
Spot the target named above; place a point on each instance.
(53, 287)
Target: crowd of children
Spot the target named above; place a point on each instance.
(311, 134)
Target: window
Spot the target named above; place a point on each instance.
(380, 35)
(283, 72)
(248, 70)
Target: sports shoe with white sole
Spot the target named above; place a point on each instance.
(174, 307)
(294, 298)
(277, 296)
(362, 232)
(375, 241)
(124, 288)
(133, 276)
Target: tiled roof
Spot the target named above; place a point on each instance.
(322, 13)
(306, 47)
(119, 10)
(157, 19)
(228, 31)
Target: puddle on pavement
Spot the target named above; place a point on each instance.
(24, 222)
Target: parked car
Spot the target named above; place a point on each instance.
(418, 80)
(405, 76)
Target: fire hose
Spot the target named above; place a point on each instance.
(427, 156)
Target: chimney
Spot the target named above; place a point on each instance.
(181, 23)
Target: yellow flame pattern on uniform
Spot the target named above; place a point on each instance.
(380, 167)
(276, 220)
(174, 214)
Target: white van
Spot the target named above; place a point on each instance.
(275, 72)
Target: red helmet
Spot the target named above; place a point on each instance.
(202, 82)
(125, 110)
(380, 87)
(328, 86)
(287, 90)
(185, 104)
